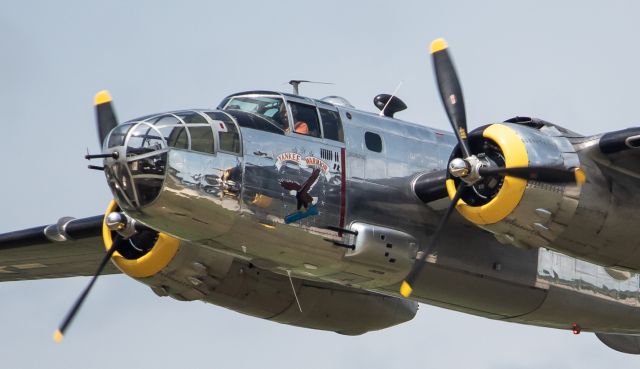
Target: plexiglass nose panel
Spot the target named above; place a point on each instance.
(137, 175)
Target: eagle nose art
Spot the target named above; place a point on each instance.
(136, 171)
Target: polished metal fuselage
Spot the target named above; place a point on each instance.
(239, 205)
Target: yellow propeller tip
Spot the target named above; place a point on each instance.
(438, 45)
(405, 289)
(102, 97)
(58, 336)
(581, 177)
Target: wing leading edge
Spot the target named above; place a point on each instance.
(68, 248)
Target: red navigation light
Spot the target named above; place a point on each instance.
(575, 328)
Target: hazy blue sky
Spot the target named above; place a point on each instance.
(574, 63)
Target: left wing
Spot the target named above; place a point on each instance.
(71, 247)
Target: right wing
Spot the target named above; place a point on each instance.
(69, 248)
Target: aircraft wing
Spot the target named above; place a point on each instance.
(68, 248)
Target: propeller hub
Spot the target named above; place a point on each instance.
(121, 223)
(116, 221)
(467, 169)
(458, 168)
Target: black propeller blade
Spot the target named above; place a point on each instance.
(407, 285)
(105, 116)
(542, 174)
(450, 92)
(59, 333)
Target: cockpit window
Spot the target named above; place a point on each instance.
(271, 108)
(305, 119)
(331, 125)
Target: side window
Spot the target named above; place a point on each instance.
(173, 131)
(373, 141)
(178, 138)
(202, 139)
(230, 140)
(331, 125)
(229, 136)
(200, 130)
(305, 119)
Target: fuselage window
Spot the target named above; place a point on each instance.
(118, 135)
(331, 125)
(200, 130)
(230, 140)
(173, 131)
(228, 135)
(271, 108)
(305, 119)
(202, 139)
(373, 141)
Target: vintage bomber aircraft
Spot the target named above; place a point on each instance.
(315, 214)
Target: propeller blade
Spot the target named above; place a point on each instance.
(407, 285)
(59, 333)
(542, 174)
(105, 116)
(450, 92)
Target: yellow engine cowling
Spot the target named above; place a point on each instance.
(152, 262)
(520, 212)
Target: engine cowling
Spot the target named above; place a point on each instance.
(144, 254)
(525, 213)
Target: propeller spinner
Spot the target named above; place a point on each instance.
(471, 168)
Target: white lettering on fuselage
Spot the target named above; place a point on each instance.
(303, 162)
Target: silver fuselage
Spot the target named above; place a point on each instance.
(237, 205)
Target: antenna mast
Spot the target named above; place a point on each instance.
(296, 83)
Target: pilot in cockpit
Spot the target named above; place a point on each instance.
(300, 126)
(281, 117)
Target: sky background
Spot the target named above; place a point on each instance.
(574, 63)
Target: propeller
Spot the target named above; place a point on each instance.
(450, 92)
(469, 169)
(406, 287)
(59, 333)
(105, 115)
(106, 121)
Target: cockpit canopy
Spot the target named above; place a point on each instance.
(287, 113)
(270, 108)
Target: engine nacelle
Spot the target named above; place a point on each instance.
(520, 212)
(188, 271)
(200, 273)
(144, 254)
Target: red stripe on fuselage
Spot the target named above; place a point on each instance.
(343, 186)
